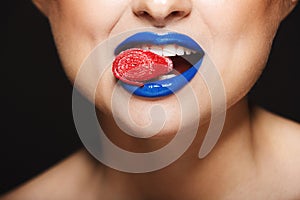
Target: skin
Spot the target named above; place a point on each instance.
(257, 154)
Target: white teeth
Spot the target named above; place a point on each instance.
(188, 51)
(180, 51)
(156, 49)
(145, 47)
(169, 50)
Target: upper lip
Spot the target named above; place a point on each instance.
(158, 39)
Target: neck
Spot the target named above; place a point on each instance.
(190, 176)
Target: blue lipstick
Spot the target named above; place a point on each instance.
(164, 87)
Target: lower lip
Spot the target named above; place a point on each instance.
(165, 87)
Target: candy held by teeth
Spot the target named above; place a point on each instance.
(135, 66)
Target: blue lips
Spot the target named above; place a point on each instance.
(168, 86)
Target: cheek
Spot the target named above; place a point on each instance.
(241, 33)
(79, 27)
(239, 27)
(235, 15)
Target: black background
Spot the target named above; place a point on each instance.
(37, 128)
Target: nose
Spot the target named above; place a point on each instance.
(161, 12)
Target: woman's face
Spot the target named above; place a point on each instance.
(236, 34)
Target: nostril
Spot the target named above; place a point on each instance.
(176, 13)
(143, 14)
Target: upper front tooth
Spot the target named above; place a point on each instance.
(169, 50)
(145, 47)
(180, 51)
(187, 51)
(156, 49)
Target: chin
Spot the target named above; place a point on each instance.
(154, 118)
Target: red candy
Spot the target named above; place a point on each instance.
(135, 66)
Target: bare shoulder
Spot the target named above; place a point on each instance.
(283, 131)
(277, 140)
(66, 180)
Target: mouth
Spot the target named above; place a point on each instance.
(182, 51)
